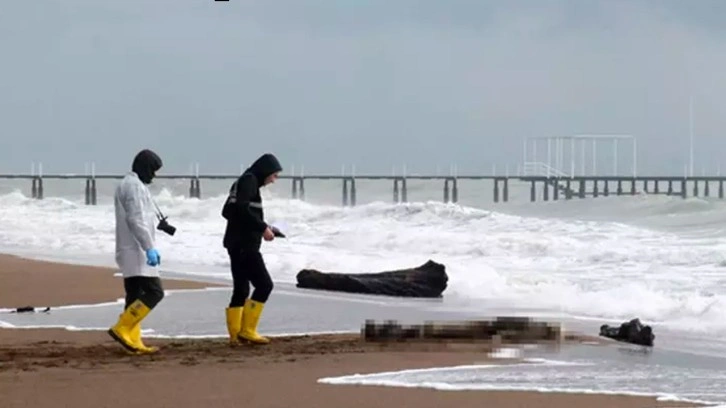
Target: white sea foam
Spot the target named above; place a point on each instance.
(546, 376)
(506, 353)
(590, 268)
(51, 326)
(385, 377)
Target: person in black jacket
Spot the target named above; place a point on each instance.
(243, 236)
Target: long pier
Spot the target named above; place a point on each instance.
(545, 187)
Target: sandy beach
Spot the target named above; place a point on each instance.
(47, 284)
(53, 367)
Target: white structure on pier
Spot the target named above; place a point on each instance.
(561, 164)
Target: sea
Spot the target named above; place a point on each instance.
(583, 262)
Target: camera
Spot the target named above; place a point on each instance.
(166, 227)
(163, 224)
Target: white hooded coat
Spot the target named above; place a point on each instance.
(135, 227)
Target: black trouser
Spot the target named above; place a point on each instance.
(145, 288)
(248, 267)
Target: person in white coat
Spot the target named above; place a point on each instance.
(136, 255)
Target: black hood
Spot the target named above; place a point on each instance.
(263, 167)
(146, 164)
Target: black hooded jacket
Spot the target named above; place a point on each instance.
(243, 208)
(145, 165)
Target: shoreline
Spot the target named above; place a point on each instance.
(192, 371)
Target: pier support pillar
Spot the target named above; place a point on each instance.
(353, 192)
(454, 197)
(345, 192)
(298, 188)
(568, 186)
(546, 191)
(403, 190)
(90, 193)
(195, 189)
(37, 188)
(349, 196)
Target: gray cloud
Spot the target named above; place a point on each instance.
(326, 83)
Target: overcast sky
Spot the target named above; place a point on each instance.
(327, 83)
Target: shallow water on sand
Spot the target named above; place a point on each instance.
(619, 369)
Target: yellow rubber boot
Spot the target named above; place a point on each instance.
(138, 343)
(234, 323)
(122, 330)
(251, 317)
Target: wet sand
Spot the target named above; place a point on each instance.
(54, 368)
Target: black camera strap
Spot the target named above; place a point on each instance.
(159, 215)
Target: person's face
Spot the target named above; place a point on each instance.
(272, 178)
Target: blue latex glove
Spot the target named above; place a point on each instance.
(152, 257)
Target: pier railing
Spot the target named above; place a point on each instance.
(541, 169)
(546, 187)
